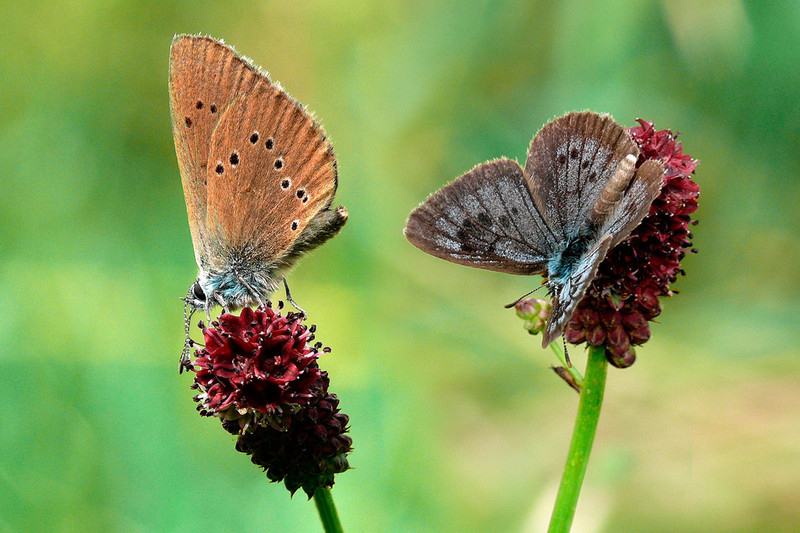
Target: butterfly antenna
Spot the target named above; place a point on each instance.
(566, 352)
(188, 342)
(291, 301)
(518, 300)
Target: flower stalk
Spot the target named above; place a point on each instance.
(591, 401)
(327, 510)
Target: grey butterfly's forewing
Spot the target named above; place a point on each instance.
(570, 160)
(628, 213)
(622, 205)
(567, 296)
(486, 219)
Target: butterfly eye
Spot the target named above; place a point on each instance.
(198, 292)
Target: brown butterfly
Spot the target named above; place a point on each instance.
(578, 196)
(258, 174)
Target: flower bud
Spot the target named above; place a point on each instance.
(535, 312)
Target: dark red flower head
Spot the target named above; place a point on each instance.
(623, 297)
(260, 376)
(310, 451)
(258, 363)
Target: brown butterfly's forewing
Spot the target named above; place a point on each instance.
(256, 167)
(485, 219)
(271, 171)
(199, 91)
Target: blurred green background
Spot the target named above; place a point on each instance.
(458, 423)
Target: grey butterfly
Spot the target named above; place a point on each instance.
(578, 196)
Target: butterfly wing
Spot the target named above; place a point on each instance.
(264, 170)
(569, 163)
(198, 92)
(567, 296)
(486, 219)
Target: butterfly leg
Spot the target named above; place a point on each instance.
(213, 298)
(218, 298)
(252, 291)
(566, 352)
(291, 301)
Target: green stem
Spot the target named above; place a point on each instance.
(327, 511)
(582, 437)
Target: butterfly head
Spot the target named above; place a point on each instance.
(196, 298)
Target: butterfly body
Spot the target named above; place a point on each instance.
(258, 173)
(577, 197)
(235, 287)
(564, 262)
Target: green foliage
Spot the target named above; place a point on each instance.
(458, 423)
